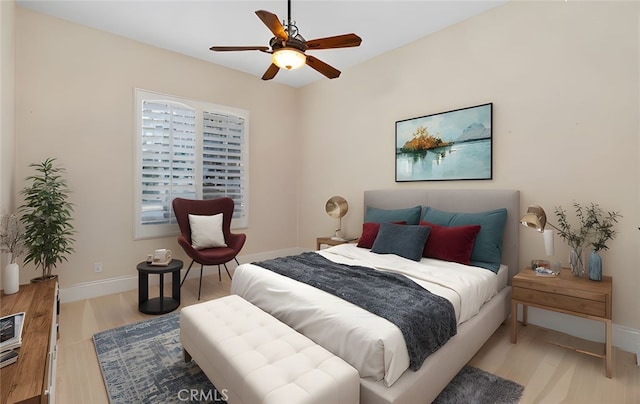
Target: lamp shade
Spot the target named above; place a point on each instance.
(288, 58)
(336, 207)
(534, 218)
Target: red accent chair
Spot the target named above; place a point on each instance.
(209, 256)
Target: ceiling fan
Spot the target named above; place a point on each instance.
(288, 47)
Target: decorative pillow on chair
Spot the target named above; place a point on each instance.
(369, 233)
(453, 244)
(404, 240)
(206, 231)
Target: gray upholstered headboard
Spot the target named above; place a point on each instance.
(460, 200)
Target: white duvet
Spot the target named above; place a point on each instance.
(371, 344)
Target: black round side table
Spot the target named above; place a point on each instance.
(161, 304)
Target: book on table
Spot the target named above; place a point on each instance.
(8, 357)
(11, 331)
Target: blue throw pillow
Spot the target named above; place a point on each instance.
(407, 215)
(487, 249)
(405, 241)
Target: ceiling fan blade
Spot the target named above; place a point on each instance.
(271, 72)
(238, 48)
(323, 68)
(338, 41)
(274, 25)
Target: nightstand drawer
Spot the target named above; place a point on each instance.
(594, 305)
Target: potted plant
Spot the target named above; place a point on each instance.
(46, 214)
(12, 242)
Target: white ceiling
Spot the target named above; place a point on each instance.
(192, 27)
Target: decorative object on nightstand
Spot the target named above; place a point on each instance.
(575, 238)
(535, 218)
(595, 228)
(337, 207)
(603, 232)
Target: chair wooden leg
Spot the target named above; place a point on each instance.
(219, 276)
(200, 286)
(185, 275)
(237, 263)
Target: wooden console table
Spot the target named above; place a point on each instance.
(31, 379)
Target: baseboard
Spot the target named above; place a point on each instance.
(88, 290)
(625, 338)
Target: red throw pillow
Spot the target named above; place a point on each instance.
(450, 243)
(369, 233)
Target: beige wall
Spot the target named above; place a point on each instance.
(7, 108)
(74, 99)
(7, 111)
(7, 101)
(563, 80)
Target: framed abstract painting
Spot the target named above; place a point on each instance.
(452, 145)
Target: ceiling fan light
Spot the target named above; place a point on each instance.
(288, 58)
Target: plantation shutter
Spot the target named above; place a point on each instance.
(223, 162)
(168, 159)
(190, 149)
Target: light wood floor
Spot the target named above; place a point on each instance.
(550, 373)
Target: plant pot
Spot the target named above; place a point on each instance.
(11, 279)
(595, 266)
(43, 278)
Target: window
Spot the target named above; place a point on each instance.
(189, 149)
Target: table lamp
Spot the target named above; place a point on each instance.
(337, 207)
(536, 218)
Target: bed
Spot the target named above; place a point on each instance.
(374, 345)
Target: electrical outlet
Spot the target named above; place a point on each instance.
(97, 266)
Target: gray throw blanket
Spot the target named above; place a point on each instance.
(426, 320)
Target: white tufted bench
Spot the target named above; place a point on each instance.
(253, 358)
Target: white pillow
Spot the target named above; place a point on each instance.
(206, 231)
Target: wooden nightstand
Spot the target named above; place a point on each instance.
(331, 242)
(564, 294)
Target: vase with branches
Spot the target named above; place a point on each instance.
(575, 236)
(11, 242)
(11, 236)
(594, 227)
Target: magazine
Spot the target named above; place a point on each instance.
(11, 331)
(8, 357)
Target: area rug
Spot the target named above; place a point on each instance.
(475, 386)
(143, 363)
